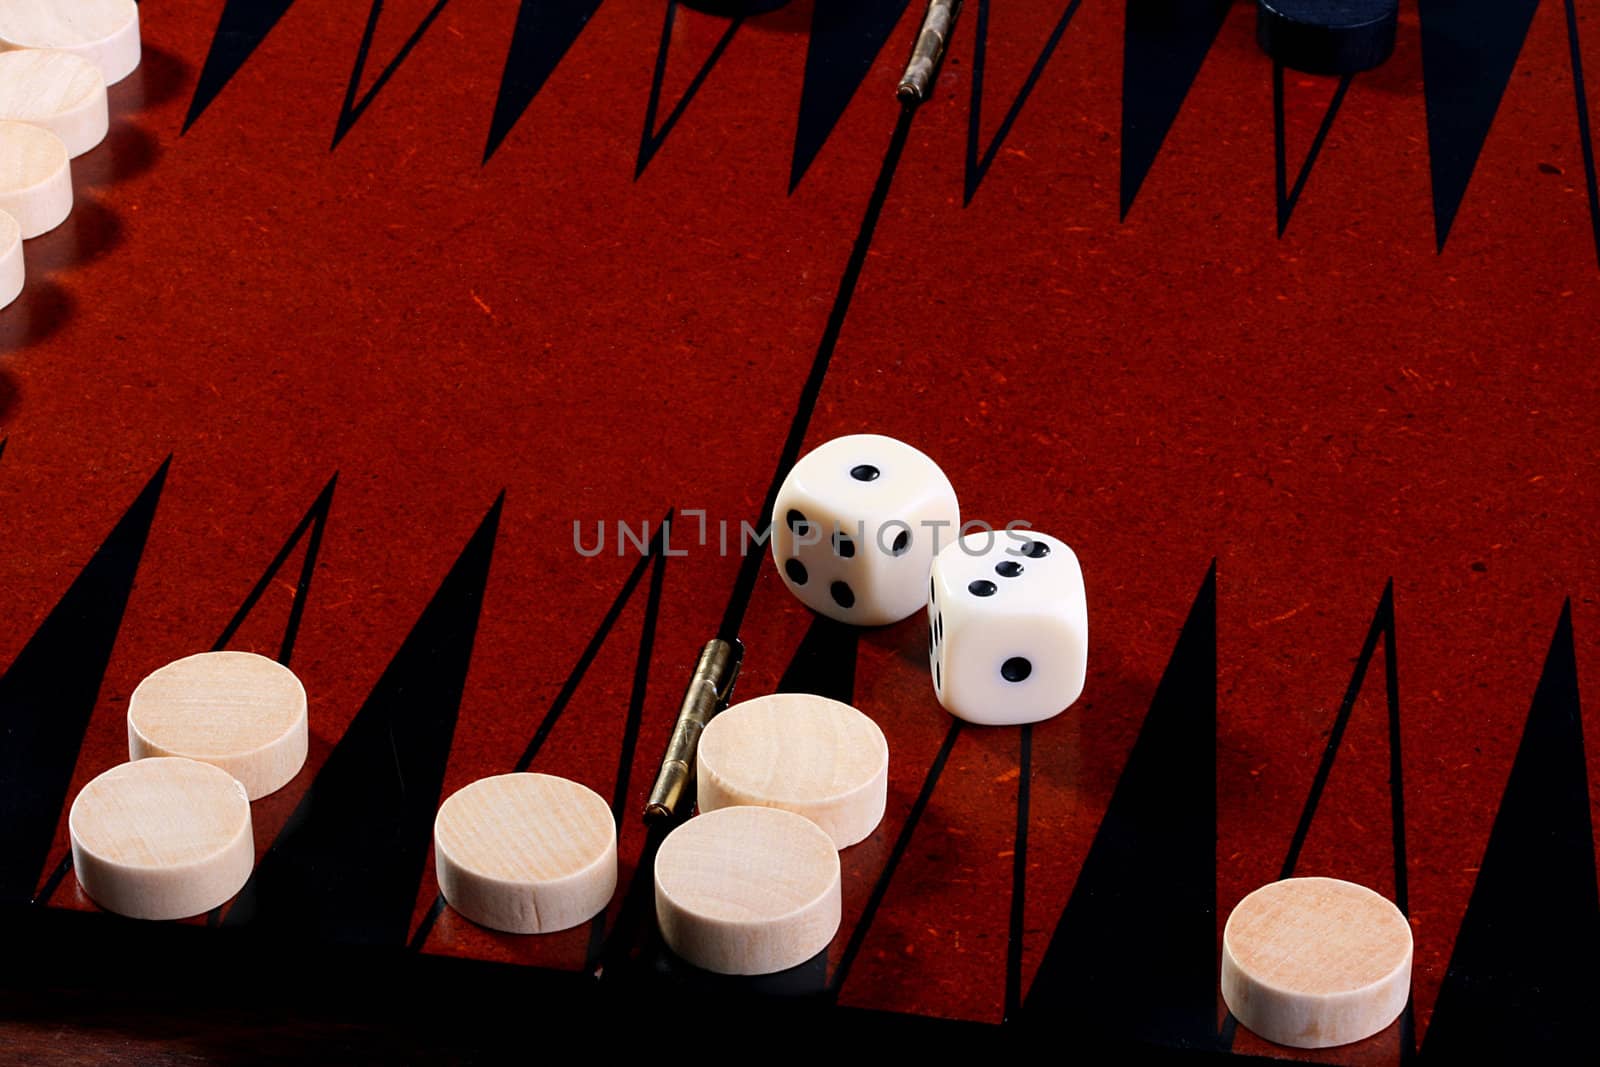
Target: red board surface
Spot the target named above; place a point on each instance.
(1373, 414)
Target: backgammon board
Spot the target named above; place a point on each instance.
(370, 318)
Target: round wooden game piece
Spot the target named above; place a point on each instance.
(64, 93)
(238, 711)
(747, 890)
(1327, 36)
(11, 272)
(1316, 962)
(105, 32)
(526, 853)
(35, 178)
(803, 753)
(162, 838)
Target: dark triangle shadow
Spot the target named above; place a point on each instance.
(823, 664)
(545, 30)
(1143, 913)
(242, 28)
(48, 694)
(312, 525)
(557, 707)
(637, 886)
(1522, 986)
(353, 107)
(880, 888)
(978, 166)
(348, 863)
(1288, 196)
(651, 140)
(1016, 930)
(1382, 628)
(846, 37)
(1164, 45)
(590, 651)
(1585, 133)
(309, 529)
(750, 565)
(1469, 48)
(3, 441)
(635, 952)
(825, 661)
(654, 967)
(636, 959)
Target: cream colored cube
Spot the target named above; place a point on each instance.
(1009, 627)
(856, 525)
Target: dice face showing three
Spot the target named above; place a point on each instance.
(1009, 627)
(855, 526)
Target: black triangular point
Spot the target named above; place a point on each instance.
(580, 669)
(1522, 984)
(1289, 196)
(846, 37)
(1165, 43)
(651, 140)
(349, 862)
(1382, 628)
(1143, 913)
(3, 441)
(587, 657)
(243, 26)
(1469, 48)
(978, 164)
(1580, 96)
(48, 694)
(634, 891)
(310, 528)
(825, 662)
(354, 106)
(545, 30)
(902, 843)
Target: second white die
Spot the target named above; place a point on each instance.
(855, 524)
(1009, 627)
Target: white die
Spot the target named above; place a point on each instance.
(1009, 627)
(855, 524)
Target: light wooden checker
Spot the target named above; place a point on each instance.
(11, 269)
(64, 93)
(803, 753)
(35, 178)
(526, 853)
(1316, 962)
(105, 32)
(748, 890)
(238, 711)
(162, 838)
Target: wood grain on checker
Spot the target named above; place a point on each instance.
(161, 838)
(526, 853)
(1316, 962)
(64, 93)
(747, 890)
(35, 177)
(809, 755)
(442, 252)
(106, 32)
(238, 711)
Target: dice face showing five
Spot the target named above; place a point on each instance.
(855, 526)
(1009, 627)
